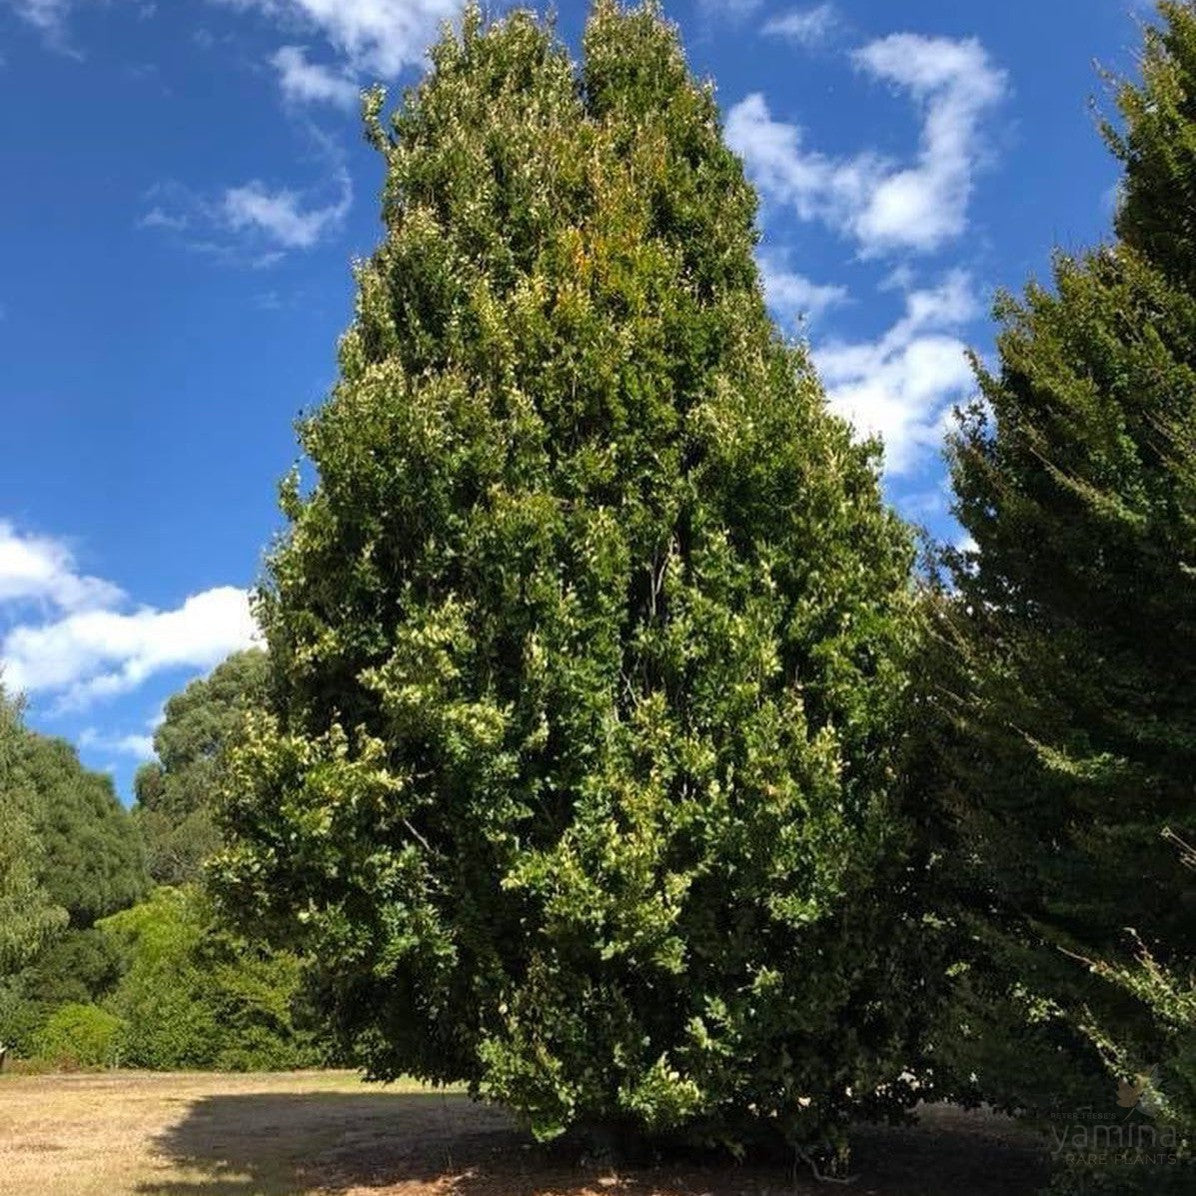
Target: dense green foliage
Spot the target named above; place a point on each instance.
(578, 767)
(92, 858)
(176, 792)
(77, 966)
(160, 986)
(1073, 693)
(69, 854)
(28, 914)
(155, 984)
(76, 1035)
(194, 996)
(589, 645)
(75, 857)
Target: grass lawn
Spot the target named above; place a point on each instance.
(134, 1134)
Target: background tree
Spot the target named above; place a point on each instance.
(93, 862)
(176, 792)
(1166, 1093)
(192, 995)
(588, 648)
(1076, 611)
(156, 983)
(28, 915)
(71, 855)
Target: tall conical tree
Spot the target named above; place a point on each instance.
(1077, 609)
(589, 643)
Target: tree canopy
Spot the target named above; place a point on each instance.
(69, 854)
(92, 858)
(176, 793)
(28, 914)
(194, 996)
(1074, 612)
(588, 647)
(92, 969)
(1076, 477)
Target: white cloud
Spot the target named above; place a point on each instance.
(140, 747)
(807, 27)
(883, 206)
(41, 569)
(250, 225)
(1111, 198)
(72, 637)
(792, 296)
(280, 215)
(44, 14)
(730, 10)
(817, 187)
(956, 84)
(375, 37)
(90, 654)
(303, 81)
(50, 19)
(902, 387)
(158, 217)
(47, 15)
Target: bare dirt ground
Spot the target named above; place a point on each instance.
(326, 1134)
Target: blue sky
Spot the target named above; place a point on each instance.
(185, 184)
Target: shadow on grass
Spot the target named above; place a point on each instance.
(290, 1144)
(426, 1144)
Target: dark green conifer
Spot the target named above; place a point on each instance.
(1074, 695)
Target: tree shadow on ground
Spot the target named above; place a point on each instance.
(426, 1144)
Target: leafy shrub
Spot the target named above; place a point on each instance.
(77, 1035)
(76, 967)
(194, 996)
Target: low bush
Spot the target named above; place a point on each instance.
(77, 1035)
(194, 996)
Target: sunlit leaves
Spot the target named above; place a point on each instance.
(590, 640)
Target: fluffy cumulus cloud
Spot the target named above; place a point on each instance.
(903, 386)
(793, 296)
(807, 27)
(251, 224)
(883, 205)
(42, 570)
(92, 654)
(304, 82)
(139, 747)
(813, 185)
(956, 85)
(372, 39)
(282, 216)
(73, 638)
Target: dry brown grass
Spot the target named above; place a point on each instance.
(131, 1134)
